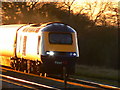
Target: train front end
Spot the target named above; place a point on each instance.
(59, 48)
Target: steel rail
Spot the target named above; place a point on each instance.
(90, 83)
(28, 82)
(95, 84)
(16, 83)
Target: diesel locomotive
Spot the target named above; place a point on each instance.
(40, 48)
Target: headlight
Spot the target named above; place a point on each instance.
(51, 53)
(73, 54)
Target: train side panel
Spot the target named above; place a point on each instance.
(28, 45)
(7, 39)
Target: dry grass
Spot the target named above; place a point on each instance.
(97, 72)
(109, 76)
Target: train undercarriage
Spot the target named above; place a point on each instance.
(48, 66)
(27, 66)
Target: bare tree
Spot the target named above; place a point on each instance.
(69, 4)
(115, 16)
(102, 13)
(18, 11)
(66, 4)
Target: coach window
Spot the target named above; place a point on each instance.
(24, 45)
(38, 45)
(20, 43)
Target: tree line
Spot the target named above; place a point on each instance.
(97, 43)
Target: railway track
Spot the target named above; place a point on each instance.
(89, 83)
(58, 83)
(27, 84)
(94, 84)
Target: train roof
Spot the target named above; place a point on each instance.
(12, 26)
(58, 27)
(44, 27)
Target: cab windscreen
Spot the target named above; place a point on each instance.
(60, 38)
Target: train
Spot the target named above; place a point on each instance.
(40, 48)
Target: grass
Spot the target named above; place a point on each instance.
(97, 74)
